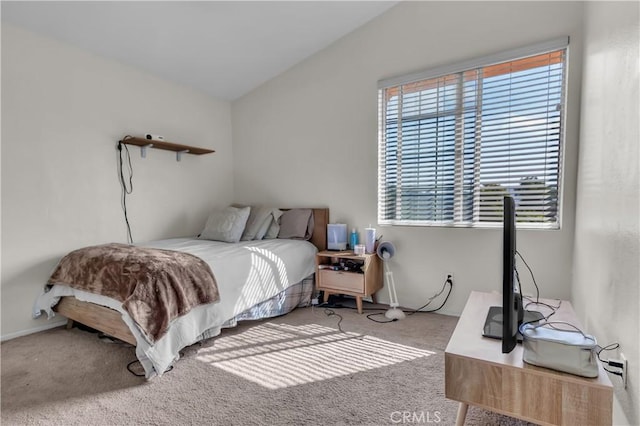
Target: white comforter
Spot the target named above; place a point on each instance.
(247, 273)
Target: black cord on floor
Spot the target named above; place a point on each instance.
(123, 183)
(370, 317)
(133, 372)
(331, 313)
(142, 375)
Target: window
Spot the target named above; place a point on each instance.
(454, 140)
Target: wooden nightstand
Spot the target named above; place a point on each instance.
(336, 274)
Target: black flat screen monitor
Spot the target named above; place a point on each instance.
(503, 321)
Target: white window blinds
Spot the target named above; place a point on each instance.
(454, 141)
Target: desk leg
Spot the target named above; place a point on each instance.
(359, 304)
(462, 414)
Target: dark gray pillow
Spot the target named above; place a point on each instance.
(296, 224)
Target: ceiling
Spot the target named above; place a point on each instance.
(224, 48)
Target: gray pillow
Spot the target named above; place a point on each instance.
(273, 226)
(256, 221)
(272, 232)
(273, 215)
(296, 224)
(226, 224)
(264, 228)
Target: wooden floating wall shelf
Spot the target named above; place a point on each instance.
(179, 149)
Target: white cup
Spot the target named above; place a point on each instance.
(369, 239)
(359, 249)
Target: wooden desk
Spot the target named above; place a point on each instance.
(355, 284)
(478, 373)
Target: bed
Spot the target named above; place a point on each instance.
(255, 279)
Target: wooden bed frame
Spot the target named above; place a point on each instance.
(110, 321)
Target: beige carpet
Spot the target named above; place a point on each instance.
(298, 369)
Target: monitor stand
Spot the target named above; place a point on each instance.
(493, 322)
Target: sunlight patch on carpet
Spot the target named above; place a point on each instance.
(281, 355)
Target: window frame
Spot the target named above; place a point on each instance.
(561, 43)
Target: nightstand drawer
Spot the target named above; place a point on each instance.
(339, 280)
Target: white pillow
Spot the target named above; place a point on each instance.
(226, 224)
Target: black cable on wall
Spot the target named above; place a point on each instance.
(126, 189)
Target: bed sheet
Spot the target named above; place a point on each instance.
(296, 296)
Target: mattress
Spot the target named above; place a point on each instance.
(248, 273)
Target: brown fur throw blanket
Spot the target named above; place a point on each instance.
(155, 286)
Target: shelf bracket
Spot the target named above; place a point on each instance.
(179, 154)
(143, 150)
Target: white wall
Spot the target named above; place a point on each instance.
(63, 110)
(607, 243)
(309, 137)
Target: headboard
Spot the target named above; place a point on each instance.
(320, 221)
